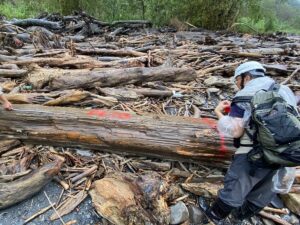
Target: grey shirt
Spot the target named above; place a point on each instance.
(227, 123)
(249, 90)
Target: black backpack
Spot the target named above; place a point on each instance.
(276, 125)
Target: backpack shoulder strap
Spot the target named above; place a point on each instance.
(274, 87)
(242, 99)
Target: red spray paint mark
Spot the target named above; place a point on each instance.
(213, 124)
(95, 112)
(210, 122)
(223, 147)
(110, 115)
(121, 115)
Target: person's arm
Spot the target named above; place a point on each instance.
(221, 107)
(6, 104)
(232, 125)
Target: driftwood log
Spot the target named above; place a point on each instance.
(58, 79)
(21, 189)
(188, 139)
(108, 52)
(12, 73)
(121, 77)
(37, 22)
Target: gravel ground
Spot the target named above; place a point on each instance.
(15, 215)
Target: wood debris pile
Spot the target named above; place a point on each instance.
(78, 61)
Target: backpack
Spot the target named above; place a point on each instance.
(276, 124)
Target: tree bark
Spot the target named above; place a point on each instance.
(109, 52)
(121, 77)
(76, 62)
(13, 73)
(187, 139)
(21, 189)
(37, 22)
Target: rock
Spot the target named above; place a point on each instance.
(179, 213)
(292, 201)
(213, 90)
(196, 215)
(217, 81)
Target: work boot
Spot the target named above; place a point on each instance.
(246, 211)
(217, 213)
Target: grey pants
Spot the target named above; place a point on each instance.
(240, 186)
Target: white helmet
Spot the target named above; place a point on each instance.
(248, 66)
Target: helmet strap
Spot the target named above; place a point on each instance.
(243, 81)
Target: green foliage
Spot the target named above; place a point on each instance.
(246, 15)
(274, 15)
(27, 8)
(8, 9)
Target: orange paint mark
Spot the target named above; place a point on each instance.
(110, 115)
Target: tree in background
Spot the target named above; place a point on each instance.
(259, 15)
(69, 6)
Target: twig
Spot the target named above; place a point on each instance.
(181, 198)
(60, 197)
(280, 211)
(71, 222)
(274, 218)
(37, 214)
(190, 24)
(62, 183)
(84, 174)
(291, 76)
(52, 205)
(245, 24)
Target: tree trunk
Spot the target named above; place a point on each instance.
(13, 73)
(109, 52)
(21, 189)
(187, 139)
(37, 22)
(121, 77)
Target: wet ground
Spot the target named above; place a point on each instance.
(84, 214)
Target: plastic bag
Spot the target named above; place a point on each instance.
(228, 125)
(283, 180)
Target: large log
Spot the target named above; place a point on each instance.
(59, 79)
(108, 52)
(187, 139)
(75, 62)
(121, 77)
(37, 22)
(12, 73)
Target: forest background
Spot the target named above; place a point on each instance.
(258, 16)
